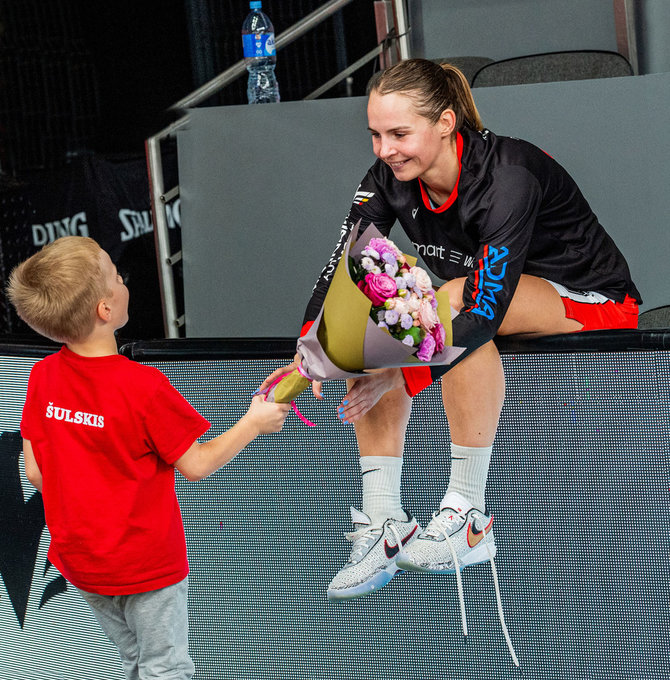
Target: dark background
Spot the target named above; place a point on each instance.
(83, 83)
(81, 76)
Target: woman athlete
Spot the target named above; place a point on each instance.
(522, 253)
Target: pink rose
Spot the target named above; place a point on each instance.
(423, 282)
(426, 349)
(427, 315)
(378, 287)
(439, 336)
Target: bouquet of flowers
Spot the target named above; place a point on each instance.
(402, 296)
(380, 312)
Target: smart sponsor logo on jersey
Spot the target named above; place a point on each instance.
(454, 256)
(488, 277)
(330, 268)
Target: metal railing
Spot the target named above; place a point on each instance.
(166, 260)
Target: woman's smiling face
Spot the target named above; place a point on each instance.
(402, 138)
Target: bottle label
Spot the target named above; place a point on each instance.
(258, 45)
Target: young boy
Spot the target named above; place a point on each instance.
(102, 436)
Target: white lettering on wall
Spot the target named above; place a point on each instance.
(66, 226)
(135, 223)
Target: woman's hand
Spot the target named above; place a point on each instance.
(316, 386)
(364, 393)
(278, 374)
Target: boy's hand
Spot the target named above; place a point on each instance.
(317, 390)
(266, 416)
(279, 373)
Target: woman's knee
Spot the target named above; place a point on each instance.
(455, 290)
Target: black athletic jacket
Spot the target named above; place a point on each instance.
(514, 210)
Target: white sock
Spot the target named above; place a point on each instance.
(380, 476)
(469, 471)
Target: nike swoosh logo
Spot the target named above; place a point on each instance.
(474, 536)
(373, 470)
(414, 212)
(392, 550)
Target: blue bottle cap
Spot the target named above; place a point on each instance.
(255, 4)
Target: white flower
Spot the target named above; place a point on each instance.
(414, 303)
(427, 315)
(423, 281)
(401, 306)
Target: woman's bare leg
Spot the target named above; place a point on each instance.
(473, 391)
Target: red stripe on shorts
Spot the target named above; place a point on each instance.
(597, 317)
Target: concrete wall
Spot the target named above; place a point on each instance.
(503, 29)
(653, 35)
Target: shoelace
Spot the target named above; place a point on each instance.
(443, 525)
(361, 539)
(439, 525)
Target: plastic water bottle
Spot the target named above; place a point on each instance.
(258, 41)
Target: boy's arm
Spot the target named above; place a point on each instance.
(33, 472)
(202, 460)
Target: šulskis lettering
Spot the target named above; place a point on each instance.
(76, 417)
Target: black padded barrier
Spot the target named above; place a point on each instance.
(578, 485)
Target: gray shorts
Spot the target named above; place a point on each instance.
(150, 631)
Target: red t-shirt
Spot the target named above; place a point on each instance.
(105, 432)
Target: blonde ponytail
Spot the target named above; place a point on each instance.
(433, 87)
(463, 95)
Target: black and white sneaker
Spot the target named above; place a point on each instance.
(375, 549)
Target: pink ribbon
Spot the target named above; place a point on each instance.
(304, 374)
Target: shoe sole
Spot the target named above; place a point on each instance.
(379, 580)
(475, 556)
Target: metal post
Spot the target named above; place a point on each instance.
(161, 238)
(159, 196)
(402, 28)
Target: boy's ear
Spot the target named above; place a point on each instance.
(103, 310)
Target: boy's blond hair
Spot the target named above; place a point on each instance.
(56, 291)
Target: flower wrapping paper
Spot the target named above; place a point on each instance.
(344, 341)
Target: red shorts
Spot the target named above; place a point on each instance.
(596, 312)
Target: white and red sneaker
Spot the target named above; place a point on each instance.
(452, 540)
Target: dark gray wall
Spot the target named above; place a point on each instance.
(653, 35)
(265, 189)
(503, 29)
